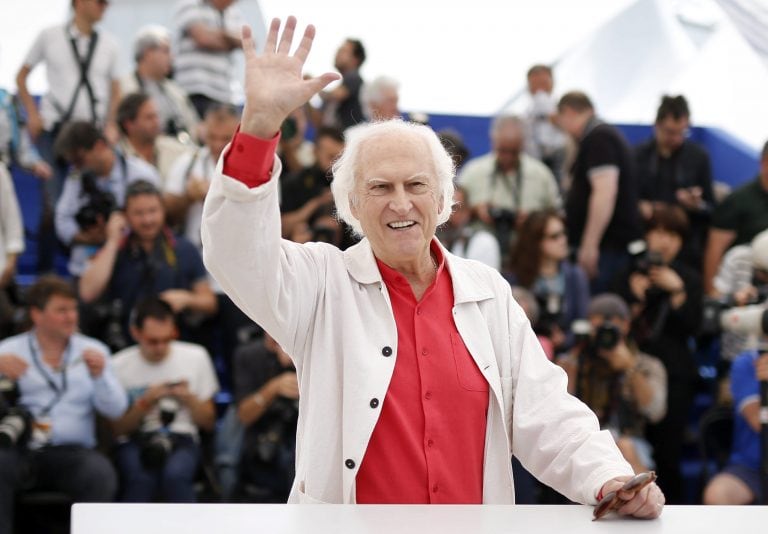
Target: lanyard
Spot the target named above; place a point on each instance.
(59, 391)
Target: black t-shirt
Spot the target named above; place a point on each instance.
(745, 211)
(350, 111)
(602, 146)
(299, 188)
(659, 179)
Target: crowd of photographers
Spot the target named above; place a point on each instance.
(626, 261)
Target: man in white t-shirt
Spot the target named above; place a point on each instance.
(171, 386)
(81, 70)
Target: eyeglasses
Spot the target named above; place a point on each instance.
(555, 235)
(612, 501)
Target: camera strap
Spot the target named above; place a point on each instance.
(84, 63)
(516, 189)
(37, 360)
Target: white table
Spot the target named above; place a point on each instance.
(294, 519)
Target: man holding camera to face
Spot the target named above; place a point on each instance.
(94, 189)
(171, 386)
(623, 386)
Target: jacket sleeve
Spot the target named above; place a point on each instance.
(274, 281)
(554, 435)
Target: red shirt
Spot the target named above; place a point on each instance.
(428, 444)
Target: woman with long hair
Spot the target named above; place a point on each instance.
(540, 264)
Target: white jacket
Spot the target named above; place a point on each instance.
(331, 311)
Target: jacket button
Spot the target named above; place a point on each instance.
(387, 351)
(350, 463)
(374, 403)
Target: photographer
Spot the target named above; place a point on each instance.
(94, 190)
(142, 257)
(506, 184)
(540, 264)
(625, 388)
(742, 279)
(665, 295)
(171, 386)
(739, 483)
(63, 379)
(266, 392)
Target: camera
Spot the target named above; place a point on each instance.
(104, 321)
(503, 217)
(158, 445)
(282, 426)
(15, 421)
(550, 312)
(605, 337)
(718, 318)
(644, 259)
(100, 203)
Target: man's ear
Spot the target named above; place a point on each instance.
(352, 198)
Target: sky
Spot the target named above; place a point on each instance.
(470, 58)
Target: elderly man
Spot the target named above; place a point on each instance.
(152, 52)
(506, 184)
(409, 360)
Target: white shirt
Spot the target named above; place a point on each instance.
(203, 168)
(185, 361)
(330, 310)
(11, 223)
(53, 48)
(199, 71)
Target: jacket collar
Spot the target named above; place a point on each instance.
(469, 284)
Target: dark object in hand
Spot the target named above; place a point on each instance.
(612, 501)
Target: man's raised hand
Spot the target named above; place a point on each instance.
(274, 85)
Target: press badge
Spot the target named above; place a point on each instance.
(42, 429)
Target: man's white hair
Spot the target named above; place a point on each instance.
(149, 37)
(345, 168)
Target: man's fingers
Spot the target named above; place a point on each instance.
(271, 42)
(318, 84)
(246, 35)
(306, 43)
(287, 38)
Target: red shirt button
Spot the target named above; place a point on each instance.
(428, 395)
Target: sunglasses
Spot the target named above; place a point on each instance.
(612, 501)
(555, 235)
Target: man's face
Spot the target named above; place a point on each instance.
(58, 318)
(155, 337)
(396, 197)
(221, 5)
(146, 216)
(217, 134)
(91, 10)
(671, 133)
(345, 58)
(540, 81)
(158, 61)
(570, 121)
(508, 143)
(146, 126)
(386, 107)
(100, 159)
(327, 150)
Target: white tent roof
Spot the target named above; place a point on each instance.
(471, 57)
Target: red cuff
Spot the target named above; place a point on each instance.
(250, 159)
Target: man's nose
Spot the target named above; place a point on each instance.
(400, 202)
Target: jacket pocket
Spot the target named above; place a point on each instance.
(306, 499)
(468, 374)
